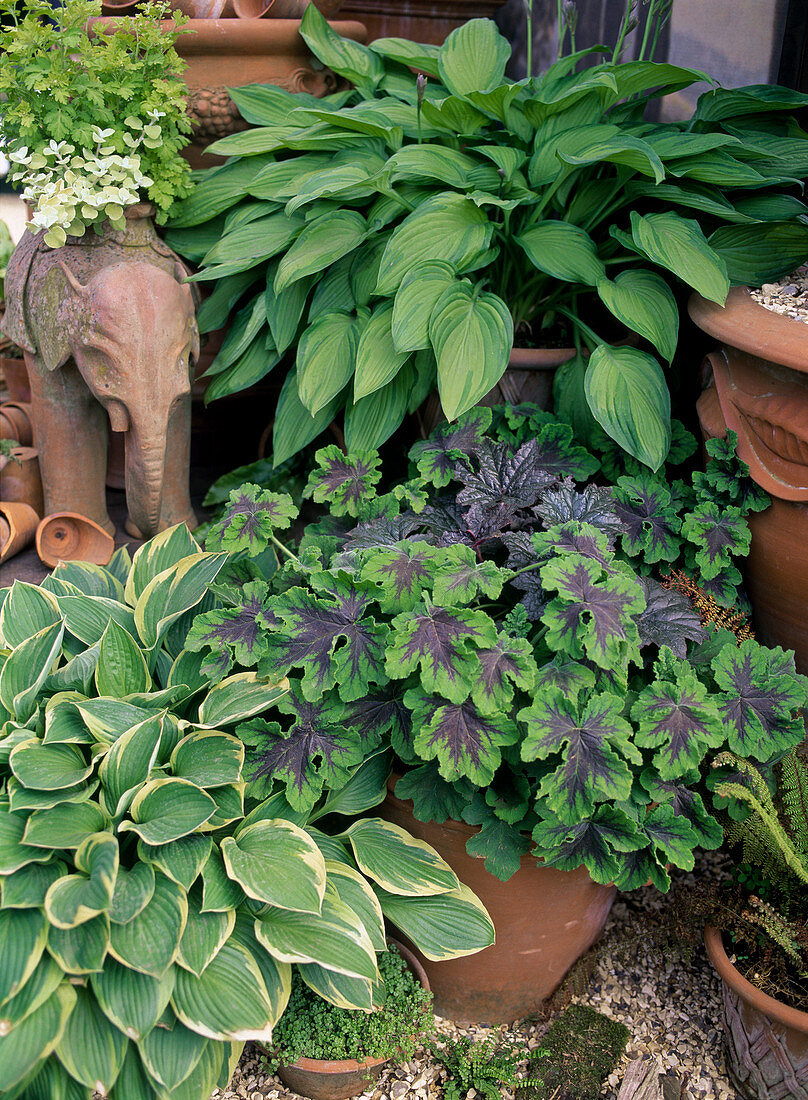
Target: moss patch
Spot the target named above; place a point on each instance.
(584, 1047)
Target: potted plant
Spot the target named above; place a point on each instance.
(409, 235)
(759, 941)
(151, 912)
(757, 388)
(518, 622)
(327, 1052)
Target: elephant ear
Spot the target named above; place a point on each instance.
(15, 324)
(54, 346)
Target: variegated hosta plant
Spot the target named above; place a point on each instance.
(149, 920)
(516, 621)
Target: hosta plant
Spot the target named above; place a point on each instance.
(150, 914)
(399, 236)
(512, 627)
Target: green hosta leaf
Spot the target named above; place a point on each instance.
(473, 57)
(26, 669)
(23, 933)
(756, 254)
(320, 243)
(48, 767)
(760, 697)
(446, 926)
(208, 759)
(644, 302)
(26, 888)
(564, 251)
(65, 826)
(35, 1038)
(133, 892)
(594, 613)
(594, 742)
(438, 641)
(239, 697)
(217, 192)
(446, 227)
(465, 742)
(204, 936)
(398, 862)
(343, 482)
(181, 860)
(335, 939)
(594, 144)
(627, 394)
(121, 667)
(228, 1001)
(91, 1049)
(26, 611)
(472, 335)
(371, 420)
(348, 59)
(377, 360)
(167, 809)
(133, 1002)
(75, 899)
(148, 942)
(417, 296)
(326, 357)
(248, 245)
(295, 427)
(172, 593)
(278, 863)
(679, 245)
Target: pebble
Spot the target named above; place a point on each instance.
(788, 297)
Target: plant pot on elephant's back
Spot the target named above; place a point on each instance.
(544, 919)
(766, 1041)
(417, 20)
(758, 388)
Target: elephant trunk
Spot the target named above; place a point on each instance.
(145, 473)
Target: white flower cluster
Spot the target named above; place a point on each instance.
(70, 190)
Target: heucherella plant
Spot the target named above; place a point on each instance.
(150, 911)
(522, 638)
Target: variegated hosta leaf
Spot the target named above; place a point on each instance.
(133, 892)
(278, 863)
(74, 899)
(157, 555)
(66, 826)
(170, 1055)
(26, 888)
(239, 697)
(148, 942)
(228, 1001)
(398, 862)
(128, 763)
(172, 593)
(27, 610)
(181, 860)
(34, 1038)
(167, 809)
(91, 1049)
(121, 666)
(27, 668)
(48, 767)
(444, 926)
(204, 936)
(23, 933)
(133, 1002)
(341, 990)
(81, 950)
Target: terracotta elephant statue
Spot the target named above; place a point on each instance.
(110, 338)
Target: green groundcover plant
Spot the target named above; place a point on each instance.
(152, 905)
(510, 626)
(398, 235)
(92, 123)
(313, 1028)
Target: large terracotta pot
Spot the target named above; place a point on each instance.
(528, 379)
(419, 20)
(758, 388)
(336, 1080)
(545, 919)
(766, 1041)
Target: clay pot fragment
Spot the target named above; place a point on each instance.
(15, 375)
(18, 524)
(16, 422)
(20, 480)
(67, 536)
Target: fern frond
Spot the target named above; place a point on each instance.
(751, 774)
(794, 793)
(778, 928)
(767, 817)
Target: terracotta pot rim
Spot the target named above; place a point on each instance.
(350, 1065)
(778, 1011)
(538, 359)
(253, 36)
(745, 324)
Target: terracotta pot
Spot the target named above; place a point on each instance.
(67, 536)
(545, 919)
(18, 524)
(283, 9)
(758, 388)
(325, 1080)
(766, 1041)
(419, 20)
(15, 373)
(528, 379)
(20, 480)
(16, 423)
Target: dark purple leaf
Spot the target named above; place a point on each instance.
(669, 619)
(380, 713)
(591, 504)
(387, 531)
(499, 476)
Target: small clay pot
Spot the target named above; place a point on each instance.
(67, 536)
(16, 422)
(20, 479)
(18, 524)
(327, 1080)
(766, 1041)
(15, 373)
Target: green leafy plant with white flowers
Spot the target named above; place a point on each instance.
(150, 911)
(401, 236)
(92, 122)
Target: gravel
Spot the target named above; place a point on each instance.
(672, 1008)
(789, 296)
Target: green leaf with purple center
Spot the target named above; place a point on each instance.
(344, 482)
(438, 642)
(466, 744)
(252, 517)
